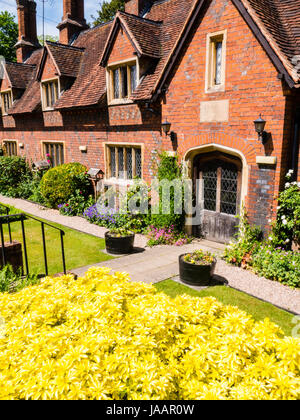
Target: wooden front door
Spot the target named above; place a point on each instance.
(218, 196)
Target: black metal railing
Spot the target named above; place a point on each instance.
(7, 219)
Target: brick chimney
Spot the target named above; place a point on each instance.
(137, 7)
(73, 21)
(27, 41)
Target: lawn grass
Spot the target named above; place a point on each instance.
(80, 249)
(228, 296)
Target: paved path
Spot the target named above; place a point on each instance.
(161, 263)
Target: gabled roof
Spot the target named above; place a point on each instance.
(30, 101)
(144, 34)
(19, 74)
(66, 58)
(90, 85)
(162, 34)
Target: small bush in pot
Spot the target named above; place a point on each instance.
(197, 268)
(119, 241)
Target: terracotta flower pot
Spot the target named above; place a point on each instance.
(196, 274)
(119, 245)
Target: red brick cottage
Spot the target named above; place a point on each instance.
(209, 67)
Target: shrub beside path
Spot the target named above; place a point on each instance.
(160, 263)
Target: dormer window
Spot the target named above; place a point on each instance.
(122, 81)
(50, 93)
(6, 101)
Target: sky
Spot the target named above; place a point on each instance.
(53, 13)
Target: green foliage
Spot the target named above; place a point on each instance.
(247, 240)
(76, 205)
(11, 281)
(286, 229)
(14, 170)
(169, 170)
(277, 264)
(51, 38)
(8, 36)
(107, 11)
(262, 257)
(59, 184)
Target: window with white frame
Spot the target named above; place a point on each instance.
(216, 61)
(6, 101)
(50, 93)
(124, 162)
(54, 152)
(122, 81)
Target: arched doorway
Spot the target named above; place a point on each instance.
(218, 184)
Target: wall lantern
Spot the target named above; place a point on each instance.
(260, 129)
(166, 127)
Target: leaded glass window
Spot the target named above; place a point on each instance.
(129, 166)
(116, 76)
(220, 187)
(138, 163)
(124, 81)
(6, 99)
(55, 153)
(125, 162)
(229, 189)
(50, 93)
(210, 188)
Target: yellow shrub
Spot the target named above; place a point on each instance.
(103, 337)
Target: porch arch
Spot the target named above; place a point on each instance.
(190, 155)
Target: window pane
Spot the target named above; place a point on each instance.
(112, 162)
(129, 163)
(229, 190)
(138, 163)
(218, 79)
(124, 82)
(121, 162)
(133, 78)
(210, 188)
(116, 84)
(47, 96)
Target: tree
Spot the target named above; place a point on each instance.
(51, 38)
(108, 10)
(8, 36)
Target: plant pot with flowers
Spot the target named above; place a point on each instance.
(119, 241)
(197, 268)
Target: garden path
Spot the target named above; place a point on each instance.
(160, 263)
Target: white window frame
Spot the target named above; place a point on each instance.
(5, 92)
(43, 93)
(110, 80)
(211, 41)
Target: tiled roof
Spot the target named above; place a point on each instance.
(67, 58)
(90, 84)
(19, 74)
(158, 34)
(279, 20)
(145, 34)
(174, 14)
(30, 101)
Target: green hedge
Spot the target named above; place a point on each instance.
(13, 171)
(59, 184)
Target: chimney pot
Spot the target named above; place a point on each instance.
(28, 41)
(137, 7)
(73, 21)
